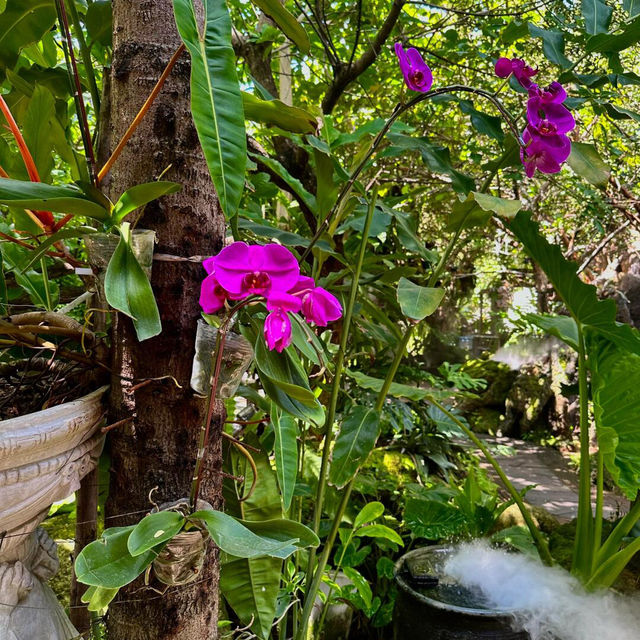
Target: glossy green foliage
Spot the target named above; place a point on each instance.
(216, 101)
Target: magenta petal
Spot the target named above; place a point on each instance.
(534, 106)
(304, 284)
(277, 331)
(554, 94)
(231, 265)
(281, 265)
(420, 77)
(560, 116)
(283, 301)
(207, 263)
(321, 307)
(503, 67)
(212, 297)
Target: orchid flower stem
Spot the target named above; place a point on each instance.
(140, 115)
(397, 112)
(583, 547)
(539, 540)
(205, 429)
(337, 378)
(72, 68)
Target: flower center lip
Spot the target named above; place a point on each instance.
(257, 281)
(417, 76)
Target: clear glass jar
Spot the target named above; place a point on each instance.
(236, 358)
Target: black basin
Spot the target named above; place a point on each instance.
(446, 610)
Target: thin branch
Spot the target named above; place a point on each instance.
(602, 244)
(347, 74)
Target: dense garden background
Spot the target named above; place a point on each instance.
(425, 296)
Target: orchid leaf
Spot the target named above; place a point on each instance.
(216, 101)
(128, 290)
(586, 162)
(140, 195)
(154, 529)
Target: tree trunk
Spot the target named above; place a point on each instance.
(156, 450)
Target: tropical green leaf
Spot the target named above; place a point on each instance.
(37, 126)
(483, 122)
(277, 113)
(503, 207)
(433, 520)
(370, 512)
(586, 162)
(286, 21)
(563, 327)
(216, 101)
(580, 298)
(46, 197)
(397, 389)
(552, 45)
(140, 195)
(612, 42)
(235, 539)
(22, 23)
(107, 562)
(597, 16)
(358, 434)
(379, 531)
(286, 453)
(99, 22)
(251, 588)
(128, 290)
(615, 380)
(153, 530)
(418, 302)
(632, 7)
(98, 598)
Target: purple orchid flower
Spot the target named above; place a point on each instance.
(318, 305)
(212, 295)
(545, 149)
(415, 70)
(256, 269)
(547, 105)
(521, 71)
(277, 330)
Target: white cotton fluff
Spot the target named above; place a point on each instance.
(550, 603)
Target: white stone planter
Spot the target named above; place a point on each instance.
(43, 457)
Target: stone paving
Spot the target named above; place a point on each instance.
(556, 483)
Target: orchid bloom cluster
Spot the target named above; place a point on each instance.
(548, 121)
(272, 272)
(416, 72)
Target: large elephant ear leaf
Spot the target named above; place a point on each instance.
(580, 298)
(216, 100)
(615, 379)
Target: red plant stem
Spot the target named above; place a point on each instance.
(140, 115)
(84, 124)
(45, 218)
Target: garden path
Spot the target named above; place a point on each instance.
(556, 483)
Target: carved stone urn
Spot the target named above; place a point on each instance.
(43, 457)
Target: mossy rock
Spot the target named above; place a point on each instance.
(511, 517)
(499, 377)
(526, 400)
(389, 470)
(485, 420)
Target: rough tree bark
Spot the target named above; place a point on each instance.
(157, 448)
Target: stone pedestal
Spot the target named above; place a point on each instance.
(43, 457)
